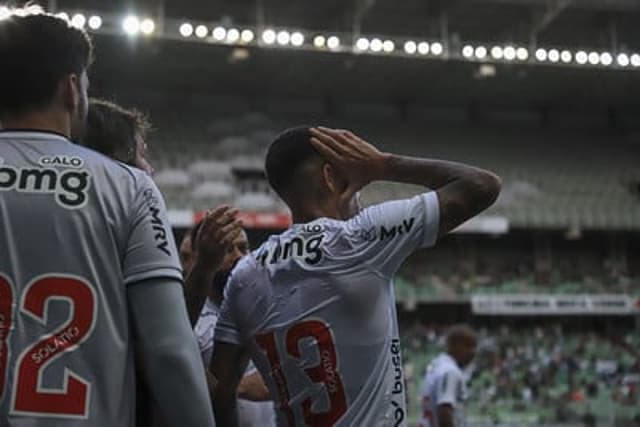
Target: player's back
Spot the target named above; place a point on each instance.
(443, 383)
(315, 306)
(69, 218)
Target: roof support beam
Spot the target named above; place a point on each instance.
(553, 9)
(361, 9)
(604, 5)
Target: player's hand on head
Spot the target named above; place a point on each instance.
(220, 228)
(356, 159)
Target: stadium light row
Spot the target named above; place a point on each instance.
(133, 26)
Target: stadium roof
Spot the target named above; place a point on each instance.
(594, 23)
(607, 25)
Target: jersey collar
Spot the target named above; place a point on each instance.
(450, 358)
(33, 134)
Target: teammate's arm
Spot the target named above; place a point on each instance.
(230, 356)
(252, 387)
(445, 415)
(196, 289)
(169, 353)
(463, 190)
(228, 363)
(219, 230)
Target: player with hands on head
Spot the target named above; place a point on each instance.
(314, 307)
(360, 163)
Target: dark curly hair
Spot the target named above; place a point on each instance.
(112, 129)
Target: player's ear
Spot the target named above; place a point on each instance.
(332, 180)
(69, 89)
(328, 178)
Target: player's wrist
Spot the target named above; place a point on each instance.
(379, 167)
(206, 264)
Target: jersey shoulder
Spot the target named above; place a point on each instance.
(206, 321)
(447, 366)
(95, 159)
(246, 270)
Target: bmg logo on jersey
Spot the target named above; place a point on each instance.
(70, 187)
(298, 247)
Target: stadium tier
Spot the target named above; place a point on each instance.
(483, 267)
(552, 178)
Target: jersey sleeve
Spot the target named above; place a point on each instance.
(447, 388)
(150, 250)
(227, 328)
(384, 235)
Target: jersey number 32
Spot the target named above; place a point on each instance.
(29, 396)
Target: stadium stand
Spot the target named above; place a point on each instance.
(537, 375)
(553, 178)
(470, 266)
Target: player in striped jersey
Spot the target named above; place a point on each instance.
(444, 390)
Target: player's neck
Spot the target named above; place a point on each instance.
(453, 357)
(42, 121)
(307, 214)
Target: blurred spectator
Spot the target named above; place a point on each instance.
(540, 373)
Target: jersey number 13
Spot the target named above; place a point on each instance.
(325, 372)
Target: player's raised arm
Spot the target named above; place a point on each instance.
(215, 237)
(463, 190)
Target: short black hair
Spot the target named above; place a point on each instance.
(111, 130)
(286, 155)
(37, 51)
(460, 332)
